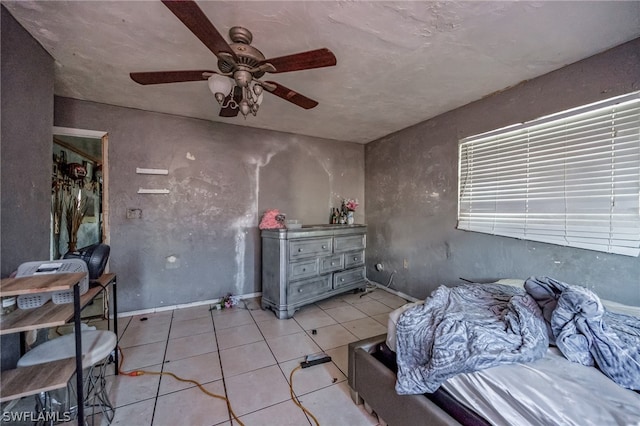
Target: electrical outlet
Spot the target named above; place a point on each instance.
(134, 214)
(405, 264)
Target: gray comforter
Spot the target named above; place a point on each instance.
(587, 333)
(465, 329)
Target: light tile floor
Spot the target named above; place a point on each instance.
(247, 355)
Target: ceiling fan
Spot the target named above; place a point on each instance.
(236, 86)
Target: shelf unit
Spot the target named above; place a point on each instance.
(25, 381)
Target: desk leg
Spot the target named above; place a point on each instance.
(78, 330)
(114, 285)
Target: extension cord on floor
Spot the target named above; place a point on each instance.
(315, 359)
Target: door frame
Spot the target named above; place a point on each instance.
(104, 137)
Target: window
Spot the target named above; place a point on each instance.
(572, 178)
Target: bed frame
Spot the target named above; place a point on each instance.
(373, 384)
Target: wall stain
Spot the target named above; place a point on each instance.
(249, 219)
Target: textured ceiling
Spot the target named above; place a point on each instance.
(399, 63)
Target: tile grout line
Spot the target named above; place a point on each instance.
(164, 358)
(286, 379)
(275, 359)
(224, 382)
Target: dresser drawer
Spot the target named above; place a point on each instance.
(351, 276)
(349, 243)
(330, 264)
(303, 269)
(303, 290)
(307, 248)
(353, 259)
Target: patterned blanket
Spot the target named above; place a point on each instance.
(586, 333)
(465, 329)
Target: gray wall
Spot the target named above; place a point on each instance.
(411, 187)
(221, 177)
(26, 78)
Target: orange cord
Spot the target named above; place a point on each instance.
(135, 373)
(294, 399)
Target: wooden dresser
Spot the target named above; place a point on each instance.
(302, 266)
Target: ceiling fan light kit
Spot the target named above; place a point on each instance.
(223, 90)
(236, 86)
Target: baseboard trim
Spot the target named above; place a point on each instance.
(243, 296)
(397, 293)
(183, 305)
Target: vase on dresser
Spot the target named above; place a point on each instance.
(350, 219)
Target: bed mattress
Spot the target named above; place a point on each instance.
(557, 390)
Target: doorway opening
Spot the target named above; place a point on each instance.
(79, 190)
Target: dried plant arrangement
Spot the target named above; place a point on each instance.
(76, 210)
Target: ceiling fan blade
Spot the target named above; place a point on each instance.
(194, 18)
(303, 61)
(289, 95)
(160, 77)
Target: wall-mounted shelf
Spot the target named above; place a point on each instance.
(142, 171)
(153, 191)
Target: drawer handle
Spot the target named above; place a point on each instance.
(324, 247)
(299, 250)
(341, 279)
(355, 258)
(299, 290)
(304, 269)
(333, 263)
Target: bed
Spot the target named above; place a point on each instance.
(555, 390)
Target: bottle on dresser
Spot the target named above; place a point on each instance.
(334, 216)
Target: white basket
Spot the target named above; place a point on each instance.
(60, 297)
(62, 266)
(30, 301)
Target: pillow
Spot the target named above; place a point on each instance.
(620, 308)
(512, 282)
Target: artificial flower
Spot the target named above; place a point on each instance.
(350, 205)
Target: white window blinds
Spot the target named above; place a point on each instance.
(571, 179)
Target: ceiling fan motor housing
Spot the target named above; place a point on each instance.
(248, 56)
(240, 35)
